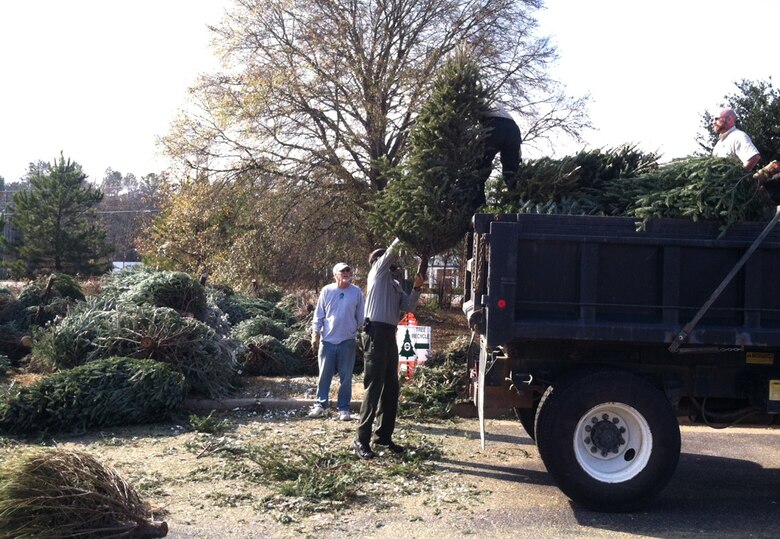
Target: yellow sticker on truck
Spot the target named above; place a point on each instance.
(774, 390)
(760, 358)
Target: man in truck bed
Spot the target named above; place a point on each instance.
(733, 142)
(503, 138)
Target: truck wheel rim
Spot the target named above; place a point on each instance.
(613, 442)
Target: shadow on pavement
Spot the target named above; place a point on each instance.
(491, 471)
(708, 496)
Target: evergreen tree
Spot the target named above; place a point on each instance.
(58, 222)
(2, 234)
(431, 196)
(2, 220)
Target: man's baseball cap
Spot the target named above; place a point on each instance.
(341, 266)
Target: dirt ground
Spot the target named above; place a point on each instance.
(195, 484)
(192, 490)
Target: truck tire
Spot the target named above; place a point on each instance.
(527, 417)
(609, 439)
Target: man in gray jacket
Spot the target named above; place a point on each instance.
(385, 299)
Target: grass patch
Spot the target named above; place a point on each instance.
(209, 424)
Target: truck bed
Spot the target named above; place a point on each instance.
(588, 278)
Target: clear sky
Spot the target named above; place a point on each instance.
(653, 68)
(100, 80)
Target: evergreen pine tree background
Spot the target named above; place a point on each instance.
(58, 222)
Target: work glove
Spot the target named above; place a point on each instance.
(419, 281)
(315, 340)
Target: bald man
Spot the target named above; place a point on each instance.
(733, 142)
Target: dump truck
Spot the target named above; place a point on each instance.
(603, 333)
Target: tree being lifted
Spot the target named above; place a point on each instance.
(431, 196)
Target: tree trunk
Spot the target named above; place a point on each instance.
(422, 268)
(150, 530)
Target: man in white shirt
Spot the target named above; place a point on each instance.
(337, 317)
(733, 142)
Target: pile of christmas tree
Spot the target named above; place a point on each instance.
(132, 352)
(627, 182)
(430, 196)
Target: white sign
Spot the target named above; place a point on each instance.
(414, 346)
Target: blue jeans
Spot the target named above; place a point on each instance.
(334, 357)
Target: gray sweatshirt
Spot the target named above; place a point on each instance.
(339, 313)
(385, 299)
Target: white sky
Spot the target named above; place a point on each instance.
(653, 67)
(100, 80)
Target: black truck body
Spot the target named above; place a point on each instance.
(601, 336)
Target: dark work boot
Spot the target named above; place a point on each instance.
(362, 450)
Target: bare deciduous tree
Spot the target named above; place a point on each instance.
(334, 85)
(317, 97)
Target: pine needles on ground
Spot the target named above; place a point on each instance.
(323, 470)
(437, 384)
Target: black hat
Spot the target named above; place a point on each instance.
(375, 254)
